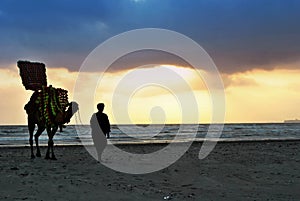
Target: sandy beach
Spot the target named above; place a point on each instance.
(233, 171)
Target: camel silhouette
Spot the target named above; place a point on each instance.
(35, 117)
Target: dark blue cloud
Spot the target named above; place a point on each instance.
(238, 34)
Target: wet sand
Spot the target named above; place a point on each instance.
(233, 171)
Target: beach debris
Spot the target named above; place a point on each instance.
(24, 174)
(14, 168)
(186, 185)
(129, 187)
(168, 197)
(191, 195)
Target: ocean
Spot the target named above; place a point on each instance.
(75, 135)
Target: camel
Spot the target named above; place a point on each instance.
(35, 118)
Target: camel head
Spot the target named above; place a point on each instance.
(72, 109)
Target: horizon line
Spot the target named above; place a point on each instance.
(146, 124)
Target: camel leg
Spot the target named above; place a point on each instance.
(49, 143)
(50, 149)
(51, 133)
(31, 126)
(36, 138)
(54, 129)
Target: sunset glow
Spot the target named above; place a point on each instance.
(253, 96)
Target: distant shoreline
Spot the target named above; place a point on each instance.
(247, 123)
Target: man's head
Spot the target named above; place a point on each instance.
(100, 107)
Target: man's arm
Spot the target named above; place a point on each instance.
(107, 123)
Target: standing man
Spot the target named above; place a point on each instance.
(103, 120)
(100, 128)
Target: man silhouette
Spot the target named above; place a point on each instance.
(103, 120)
(100, 128)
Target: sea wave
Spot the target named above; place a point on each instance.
(75, 135)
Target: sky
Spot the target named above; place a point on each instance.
(254, 44)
